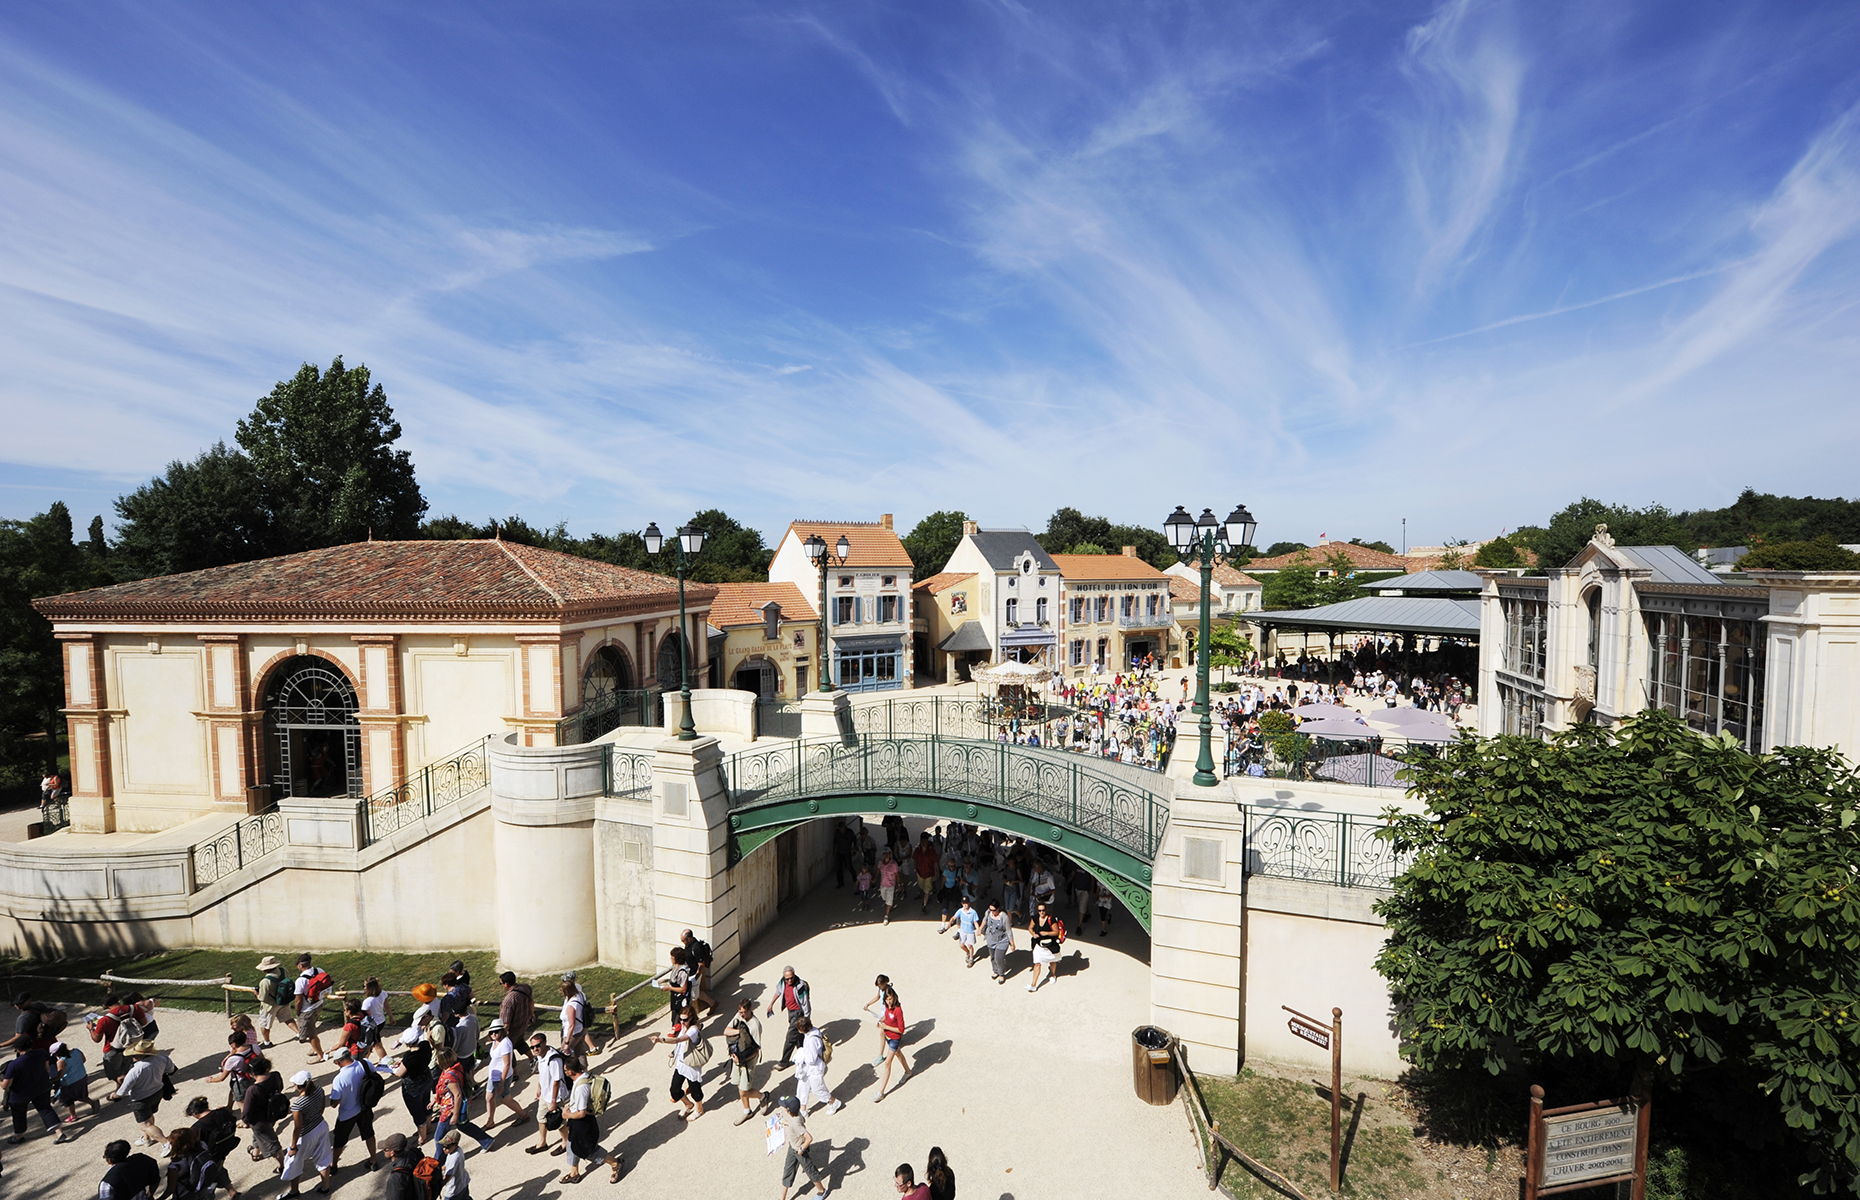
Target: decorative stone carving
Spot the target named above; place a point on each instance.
(1584, 699)
(1602, 537)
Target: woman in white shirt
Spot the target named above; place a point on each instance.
(687, 1080)
(503, 1083)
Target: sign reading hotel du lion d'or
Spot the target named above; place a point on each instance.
(1598, 1144)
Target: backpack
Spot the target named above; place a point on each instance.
(584, 1012)
(316, 984)
(826, 1050)
(268, 991)
(431, 1172)
(372, 1089)
(599, 1090)
(278, 1106)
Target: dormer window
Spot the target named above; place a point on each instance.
(846, 581)
(888, 581)
(771, 622)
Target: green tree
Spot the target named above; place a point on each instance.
(1228, 649)
(1295, 585)
(1570, 530)
(1087, 548)
(732, 553)
(1821, 554)
(1639, 903)
(1341, 584)
(1455, 557)
(932, 540)
(194, 515)
(37, 558)
(1382, 546)
(1068, 528)
(1758, 516)
(1498, 553)
(1278, 548)
(321, 447)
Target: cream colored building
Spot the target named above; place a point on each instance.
(1771, 658)
(1015, 605)
(1230, 591)
(334, 672)
(948, 639)
(770, 633)
(1116, 608)
(868, 599)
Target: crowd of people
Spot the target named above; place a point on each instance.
(1125, 717)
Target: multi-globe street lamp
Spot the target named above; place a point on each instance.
(685, 548)
(820, 556)
(1203, 540)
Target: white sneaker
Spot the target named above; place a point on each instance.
(836, 1106)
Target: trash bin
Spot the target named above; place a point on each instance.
(1153, 1064)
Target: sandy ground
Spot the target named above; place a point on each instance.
(1029, 1095)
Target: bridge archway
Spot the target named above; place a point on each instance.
(1098, 815)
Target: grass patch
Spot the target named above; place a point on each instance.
(397, 972)
(1284, 1122)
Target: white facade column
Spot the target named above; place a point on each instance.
(542, 803)
(690, 852)
(821, 713)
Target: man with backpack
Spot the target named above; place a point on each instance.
(697, 961)
(274, 1003)
(236, 1068)
(265, 1105)
(411, 1175)
(581, 1127)
(353, 1094)
(518, 1009)
(130, 1177)
(309, 992)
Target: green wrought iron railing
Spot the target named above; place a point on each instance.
(1058, 726)
(1335, 848)
(54, 815)
(626, 772)
(424, 792)
(606, 713)
(1064, 789)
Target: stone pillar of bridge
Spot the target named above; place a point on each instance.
(542, 844)
(692, 884)
(826, 714)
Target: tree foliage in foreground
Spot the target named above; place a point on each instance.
(1643, 901)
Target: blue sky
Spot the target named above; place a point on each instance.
(1344, 263)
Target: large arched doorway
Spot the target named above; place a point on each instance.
(312, 735)
(757, 675)
(672, 662)
(607, 673)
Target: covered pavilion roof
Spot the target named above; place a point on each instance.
(1435, 615)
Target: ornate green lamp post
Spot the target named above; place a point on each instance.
(1203, 541)
(685, 548)
(818, 554)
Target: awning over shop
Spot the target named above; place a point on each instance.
(1434, 615)
(969, 636)
(1027, 635)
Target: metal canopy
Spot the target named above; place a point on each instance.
(968, 636)
(1440, 616)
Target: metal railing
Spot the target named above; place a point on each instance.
(778, 718)
(430, 788)
(251, 839)
(626, 772)
(1334, 848)
(604, 714)
(1063, 789)
(54, 814)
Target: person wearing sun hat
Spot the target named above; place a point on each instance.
(141, 1086)
(452, 1165)
(309, 1144)
(274, 1000)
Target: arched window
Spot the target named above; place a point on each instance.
(314, 737)
(671, 662)
(607, 673)
(1593, 601)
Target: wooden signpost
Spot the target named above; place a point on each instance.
(1585, 1145)
(1327, 1037)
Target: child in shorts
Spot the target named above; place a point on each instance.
(864, 880)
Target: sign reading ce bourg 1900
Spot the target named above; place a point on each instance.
(1586, 1144)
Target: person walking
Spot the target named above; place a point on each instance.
(938, 1176)
(810, 1076)
(697, 960)
(1083, 887)
(255, 1113)
(891, 1026)
(888, 883)
(403, 1156)
(502, 1088)
(791, 994)
(1104, 899)
(924, 859)
(843, 846)
(1013, 887)
(129, 1176)
(551, 1090)
(968, 923)
(457, 1185)
(687, 1076)
(862, 880)
(575, 1013)
(517, 1010)
(882, 983)
(149, 1068)
(415, 1070)
(1049, 934)
(799, 1143)
(354, 1114)
(998, 936)
(73, 1084)
(308, 994)
(375, 1016)
(274, 1002)
(309, 1146)
(581, 1129)
(28, 1083)
(744, 1037)
(905, 1180)
(451, 1101)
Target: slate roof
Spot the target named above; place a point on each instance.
(1669, 564)
(968, 636)
(410, 580)
(1430, 581)
(1104, 566)
(1000, 547)
(942, 581)
(871, 544)
(741, 603)
(1388, 614)
(1361, 557)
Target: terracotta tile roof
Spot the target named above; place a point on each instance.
(872, 545)
(1104, 566)
(1182, 589)
(416, 579)
(741, 603)
(1228, 576)
(1361, 557)
(942, 581)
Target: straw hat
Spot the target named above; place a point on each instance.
(142, 1049)
(269, 963)
(424, 992)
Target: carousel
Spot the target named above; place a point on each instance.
(1014, 695)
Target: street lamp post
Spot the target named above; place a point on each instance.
(1203, 540)
(685, 548)
(818, 554)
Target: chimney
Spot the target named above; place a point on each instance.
(884, 520)
(1130, 551)
(968, 529)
